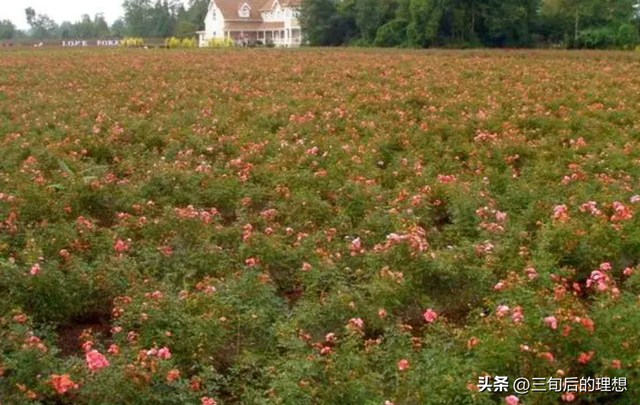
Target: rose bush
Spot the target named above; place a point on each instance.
(316, 227)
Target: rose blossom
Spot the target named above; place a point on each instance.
(96, 361)
(430, 315)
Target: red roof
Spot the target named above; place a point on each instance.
(253, 26)
(230, 8)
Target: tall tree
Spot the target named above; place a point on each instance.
(509, 22)
(31, 15)
(119, 28)
(424, 23)
(85, 28)
(42, 26)
(197, 12)
(163, 19)
(592, 23)
(101, 26)
(137, 16)
(7, 30)
(315, 20)
(367, 19)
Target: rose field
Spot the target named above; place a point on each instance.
(316, 226)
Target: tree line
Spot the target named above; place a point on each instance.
(142, 18)
(388, 23)
(470, 23)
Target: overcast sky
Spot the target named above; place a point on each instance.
(59, 10)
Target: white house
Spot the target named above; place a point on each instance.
(251, 21)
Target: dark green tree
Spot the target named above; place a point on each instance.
(163, 20)
(138, 17)
(101, 27)
(509, 22)
(7, 30)
(42, 26)
(317, 19)
(424, 23)
(119, 28)
(85, 28)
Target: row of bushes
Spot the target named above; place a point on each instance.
(132, 42)
(174, 42)
(625, 37)
(220, 43)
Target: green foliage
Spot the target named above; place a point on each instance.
(327, 22)
(220, 43)
(371, 15)
(597, 38)
(627, 36)
(590, 24)
(42, 26)
(317, 227)
(174, 42)
(393, 33)
(145, 19)
(7, 30)
(509, 22)
(132, 42)
(492, 23)
(142, 18)
(424, 22)
(189, 43)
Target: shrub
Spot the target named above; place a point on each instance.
(132, 42)
(189, 43)
(628, 36)
(173, 42)
(391, 34)
(220, 43)
(313, 227)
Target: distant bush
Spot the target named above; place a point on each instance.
(189, 43)
(132, 42)
(627, 37)
(220, 43)
(174, 43)
(391, 34)
(597, 38)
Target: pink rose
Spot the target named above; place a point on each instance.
(430, 315)
(512, 400)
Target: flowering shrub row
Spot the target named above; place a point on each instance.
(174, 42)
(317, 227)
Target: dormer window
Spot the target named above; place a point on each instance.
(244, 11)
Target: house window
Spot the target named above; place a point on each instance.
(244, 12)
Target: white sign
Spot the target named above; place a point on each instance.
(108, 42)
(100, 42)
(74, 43)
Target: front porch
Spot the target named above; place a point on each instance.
(286, 37)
